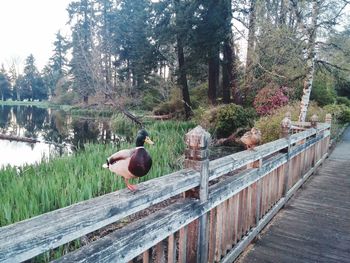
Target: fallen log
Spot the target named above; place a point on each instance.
(17, 138)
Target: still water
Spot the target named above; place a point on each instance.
(57, 131)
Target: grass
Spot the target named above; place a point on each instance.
(39, 104)
(36, 189)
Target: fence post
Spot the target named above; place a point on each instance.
(328, 120)
(197, 158)
(314, 120)
(286, 125)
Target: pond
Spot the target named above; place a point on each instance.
(57, 131)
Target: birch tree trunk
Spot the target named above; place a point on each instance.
(249, 76)
(311, 54)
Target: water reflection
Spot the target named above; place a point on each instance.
(63, 131)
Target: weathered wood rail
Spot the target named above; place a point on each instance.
(224, 204)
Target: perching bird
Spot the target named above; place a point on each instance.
(251, 138)
(131, 163)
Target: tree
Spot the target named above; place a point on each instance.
(180, 40)
(5, 84)
(320, 18)
(33, 86)
(134, 49)
(82, 13)
(229, 63)
(249, 74)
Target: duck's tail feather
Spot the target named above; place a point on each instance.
(106, 164)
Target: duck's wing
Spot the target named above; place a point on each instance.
(121, 155)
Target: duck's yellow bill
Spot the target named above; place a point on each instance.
(149, 141)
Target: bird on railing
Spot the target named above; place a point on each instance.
(131, 163)
(251, 138)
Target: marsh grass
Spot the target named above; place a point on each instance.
(36, 189)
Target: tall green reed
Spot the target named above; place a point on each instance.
(36, 189)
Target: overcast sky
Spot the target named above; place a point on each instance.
(29, 27)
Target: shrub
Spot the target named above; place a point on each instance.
(224, 120)
(174, 106)
(340, 113)
(270, 98)
(199, 96)
(322, 90)
(343, 100)
(270, 125)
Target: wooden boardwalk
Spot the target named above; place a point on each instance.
(314, 226)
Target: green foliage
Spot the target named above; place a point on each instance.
(224, 120)
(66, 98)
(174, 106)
(199, 95)
(343, 100)
(340, 113)
(270, 125)
(323, 89)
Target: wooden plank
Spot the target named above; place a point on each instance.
(224, 227)
(231, 226)
(160, 254)
(183, 245)
(172, 249)
(212, 234)
(147, 256)
(219, 225)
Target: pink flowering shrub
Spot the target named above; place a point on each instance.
(270, 98)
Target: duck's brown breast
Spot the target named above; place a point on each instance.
(140, 162)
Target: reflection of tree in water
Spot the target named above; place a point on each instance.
(54, 126)
(84, 131)
(36, 118)
(5, 117)
(56, 129)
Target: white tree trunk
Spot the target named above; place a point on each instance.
(307, 86)
(311, 54)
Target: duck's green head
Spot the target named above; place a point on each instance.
(142, 138)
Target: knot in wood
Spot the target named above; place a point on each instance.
(197, 138)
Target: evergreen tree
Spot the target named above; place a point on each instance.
(5, 84)
(33, 87)
(81, 14)
(133, 44)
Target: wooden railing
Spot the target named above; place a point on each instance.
(219, 208)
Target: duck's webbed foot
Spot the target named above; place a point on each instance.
(131, 187)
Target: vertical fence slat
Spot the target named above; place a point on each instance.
(147, 256)
(219, 224)
(171, 249)
(183, 245)
(212, 234)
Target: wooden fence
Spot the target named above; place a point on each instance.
(219, 206)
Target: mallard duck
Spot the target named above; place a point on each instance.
(251, 138)
(131, 163)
